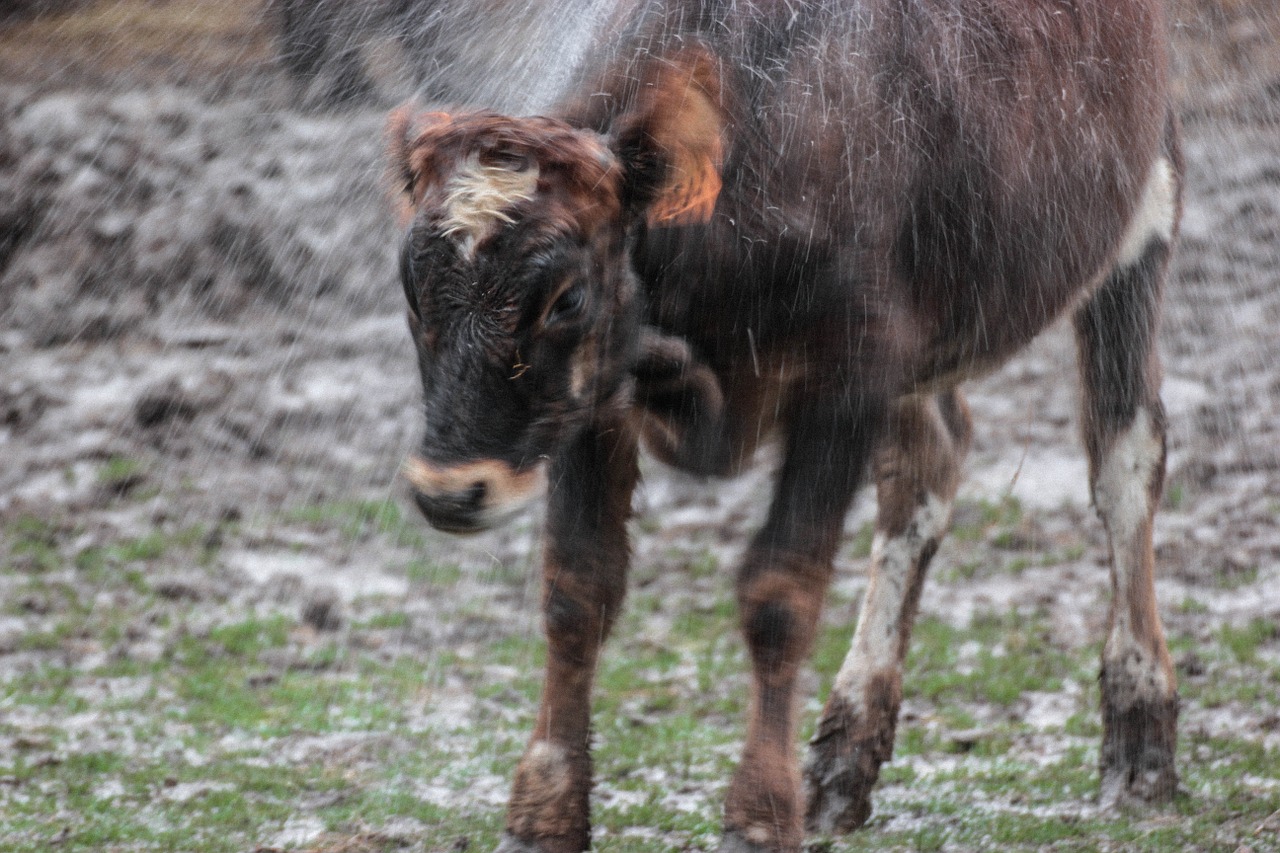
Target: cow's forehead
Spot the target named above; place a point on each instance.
(479, 198)
(479, 172)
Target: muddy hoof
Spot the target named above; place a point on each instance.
(1149, 783)
(839, 792)
(511, 844)
(1138, 747)
(842, 769)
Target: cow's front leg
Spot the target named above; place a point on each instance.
(917, 469)
(584, 578)
(780, 590)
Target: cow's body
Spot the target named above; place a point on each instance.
(817, 218)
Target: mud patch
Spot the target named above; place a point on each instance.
(206, 391)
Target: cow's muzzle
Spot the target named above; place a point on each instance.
(472, 496)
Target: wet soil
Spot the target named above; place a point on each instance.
(200, 325)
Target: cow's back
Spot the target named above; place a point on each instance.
(905, 170)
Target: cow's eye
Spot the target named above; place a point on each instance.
(568, 306)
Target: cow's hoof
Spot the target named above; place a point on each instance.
(733, 842)
(844, 763)
(1138, 747)
(1151, 780)
(839, 792)
(1126, 788)
(511, 844)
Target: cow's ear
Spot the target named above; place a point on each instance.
(408, 127)
(672, 140)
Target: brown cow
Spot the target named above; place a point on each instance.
(817, 218)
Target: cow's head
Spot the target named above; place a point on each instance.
(523, 305)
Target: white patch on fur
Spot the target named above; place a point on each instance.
(1155, 215)
(580, 369)
(509, 503)
(578, 377)
(875, 643)
(1123, 497)
(1122, 491)
(1132, 671)
(507, 492)
(544, 754)
(549, 763)
(478, 200)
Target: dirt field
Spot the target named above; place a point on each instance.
(221, 627)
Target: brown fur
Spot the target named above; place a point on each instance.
(780, 603)
(819, 218)
(919, 460)
(576, 174)
(922, 458)
(583, 582)
(681, 101)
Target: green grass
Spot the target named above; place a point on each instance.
(220, 723)
(425, 572)
(976, 520)
(358, 520)
(1232, 577)
(994, 538)
(668, 720)
(859, 547)
(249, 721)
(1175, 496)
(32, 544)
(996, 659)
(118, 471)
(1244, 641)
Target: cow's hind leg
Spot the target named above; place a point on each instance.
(1124, 433)
(917, 471)
(781, 586)
(584, 578)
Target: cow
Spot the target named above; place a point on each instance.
(814, 220)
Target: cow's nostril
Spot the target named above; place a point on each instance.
(457, 513)
(476, 494)
(424, 503)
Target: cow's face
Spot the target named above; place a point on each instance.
(523, 305)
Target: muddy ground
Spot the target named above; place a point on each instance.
(200, 329)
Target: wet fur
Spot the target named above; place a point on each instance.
(816, 218)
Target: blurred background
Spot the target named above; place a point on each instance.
(222, 628)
